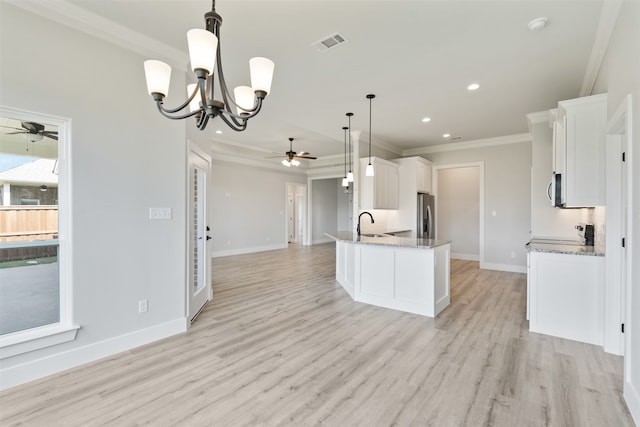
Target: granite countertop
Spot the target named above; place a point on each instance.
(385, 240)
(563, 247)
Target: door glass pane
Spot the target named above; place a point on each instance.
(199, 176)
(29, 276)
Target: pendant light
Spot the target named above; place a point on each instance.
(350, 174)
(345, 181)
(369, 170)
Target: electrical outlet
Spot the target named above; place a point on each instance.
(143, 306)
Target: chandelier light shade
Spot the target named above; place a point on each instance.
(158, 77)
(202, 49)
(350, 174)
(261, 70)
(210, 97)
(369, 171)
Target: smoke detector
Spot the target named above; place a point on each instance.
(329, 42)
(538, 24)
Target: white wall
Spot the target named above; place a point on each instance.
(507, 191)
(619, 76)
(458, 210)
(125, 158)
(248, 208)
(324, 208)
(344, 206)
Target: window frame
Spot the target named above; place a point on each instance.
(65, 330)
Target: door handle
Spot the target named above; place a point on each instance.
(208, 237)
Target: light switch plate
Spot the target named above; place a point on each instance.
(159, 213)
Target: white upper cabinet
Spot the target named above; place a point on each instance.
(381, 190)
(579, 134)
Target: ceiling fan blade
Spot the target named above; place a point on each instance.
(52, 135)
(22, 132)
(11, 127)
(274, 157)
(306, 157)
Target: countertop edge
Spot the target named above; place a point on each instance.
(400, 242)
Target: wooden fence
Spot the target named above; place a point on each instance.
(28, 222)
(23, 223)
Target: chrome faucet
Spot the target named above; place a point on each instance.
(370, 216)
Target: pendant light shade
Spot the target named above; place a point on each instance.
(202, 49)
(369, 171)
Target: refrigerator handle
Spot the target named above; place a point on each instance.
(429, 223)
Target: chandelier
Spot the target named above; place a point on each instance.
(206, 62)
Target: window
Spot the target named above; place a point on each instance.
(34, 220)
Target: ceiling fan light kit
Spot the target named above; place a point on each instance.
(206, 62)
(291, 157)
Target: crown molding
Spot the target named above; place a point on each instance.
(538, 117)
(70, 15)
(467, 145)
(608, 19)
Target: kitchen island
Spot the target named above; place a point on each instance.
(401, 273)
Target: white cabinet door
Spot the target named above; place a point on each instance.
(566, 296)
(579, 134)
(423, 177)
(381, 190)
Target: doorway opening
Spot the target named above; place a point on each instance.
(199, 261)
(330, 208)
(459, 191)
(296, 213)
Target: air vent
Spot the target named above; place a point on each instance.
(455, 138)
(329, 42)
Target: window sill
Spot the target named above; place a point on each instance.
(35, 339)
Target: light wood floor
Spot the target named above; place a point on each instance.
(283, 344)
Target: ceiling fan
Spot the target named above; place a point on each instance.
(33, 130)
(291, 156)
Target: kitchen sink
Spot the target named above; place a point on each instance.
(375, 235)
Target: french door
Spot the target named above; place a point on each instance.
(199, 277)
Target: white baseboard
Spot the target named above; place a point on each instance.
(466, 257)
(632, 397)
(321, 241)
(39, 368)
(504, 267)
(241, 251)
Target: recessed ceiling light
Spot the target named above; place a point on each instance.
(446, 135)
(218, 132)
(426, 120)
(538, 24)
(473, 86)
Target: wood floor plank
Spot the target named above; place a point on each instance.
(281, 349)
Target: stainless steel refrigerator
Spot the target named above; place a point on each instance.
(426, 216)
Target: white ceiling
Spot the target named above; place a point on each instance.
(417, 56)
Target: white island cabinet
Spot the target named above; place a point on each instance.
(406, 274)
